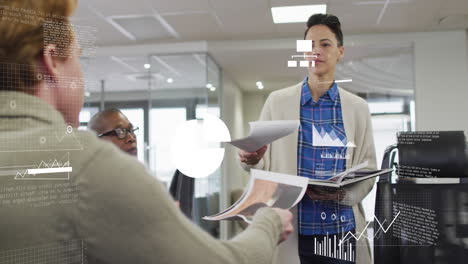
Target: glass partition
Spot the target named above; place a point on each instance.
(157, 93)
(183, 87)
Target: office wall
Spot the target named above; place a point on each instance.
(233, 175)
(253, 104)
(232, 114)
(441, 75)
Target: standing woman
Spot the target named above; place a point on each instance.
(319, 104)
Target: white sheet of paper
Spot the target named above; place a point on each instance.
(264, 132)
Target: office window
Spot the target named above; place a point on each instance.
(163, 124)
(386, 107)
(85, 115)
(207, 189)
(202, 109)
(210, 184)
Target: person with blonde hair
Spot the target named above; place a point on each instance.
(65, 195)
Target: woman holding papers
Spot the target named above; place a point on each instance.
(335, 134)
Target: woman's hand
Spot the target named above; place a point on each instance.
(252, 158)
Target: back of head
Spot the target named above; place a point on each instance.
(25, 27)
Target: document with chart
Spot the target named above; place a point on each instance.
(265, 189)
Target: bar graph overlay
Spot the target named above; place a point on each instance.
(350, 235)
(330, 247)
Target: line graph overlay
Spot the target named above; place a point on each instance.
(61, 166)
(381, 228)
(53, 169)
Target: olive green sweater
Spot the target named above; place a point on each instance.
(108, 209)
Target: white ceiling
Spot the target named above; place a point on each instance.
(188, 20)
(123, 22)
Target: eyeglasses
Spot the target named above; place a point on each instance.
(121, 133)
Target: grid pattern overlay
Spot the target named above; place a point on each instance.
(68, 252)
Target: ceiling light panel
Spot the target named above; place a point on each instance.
(296, 14)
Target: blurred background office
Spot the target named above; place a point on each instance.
(163, 62)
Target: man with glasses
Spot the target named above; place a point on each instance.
(112, 125)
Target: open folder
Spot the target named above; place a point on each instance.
(346, 177)
(349, 176)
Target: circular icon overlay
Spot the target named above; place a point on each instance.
(196, 149)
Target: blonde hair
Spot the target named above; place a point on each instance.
(22, 38)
